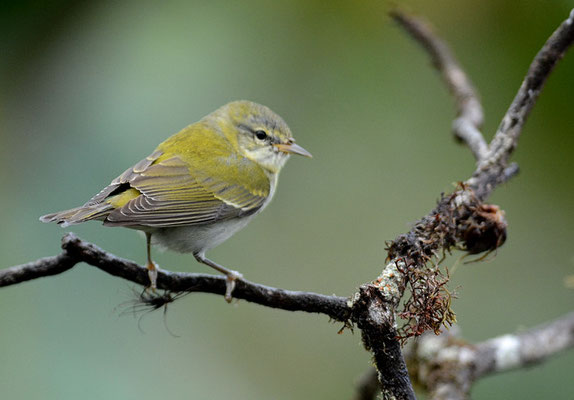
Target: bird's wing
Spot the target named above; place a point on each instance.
(121, 183)
(167, 192)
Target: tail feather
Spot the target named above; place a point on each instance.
(78, 214)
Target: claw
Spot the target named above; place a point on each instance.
(231, 277)
(152, 269)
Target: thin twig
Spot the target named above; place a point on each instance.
(466, 126)
(506, 138)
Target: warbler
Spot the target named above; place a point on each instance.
(199, 187)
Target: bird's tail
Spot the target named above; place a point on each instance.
(79, 214)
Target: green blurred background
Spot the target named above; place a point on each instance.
(87, 88)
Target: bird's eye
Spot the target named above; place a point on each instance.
(261, 135)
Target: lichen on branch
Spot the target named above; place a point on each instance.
(459, 221)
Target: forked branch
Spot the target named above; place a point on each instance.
(459, 219)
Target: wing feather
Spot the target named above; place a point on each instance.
(172, 195)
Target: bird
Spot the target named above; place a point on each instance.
(198, 187)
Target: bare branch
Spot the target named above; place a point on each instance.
(526, 348)
(36, 269)
(447, 366)
(76, 251)
(466, 126)
(506, 137)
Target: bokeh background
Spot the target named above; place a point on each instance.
(87, 88)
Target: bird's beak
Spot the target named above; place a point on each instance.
(293, 149)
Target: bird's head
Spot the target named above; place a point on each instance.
(257, 133)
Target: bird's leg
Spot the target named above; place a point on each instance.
(231, 275)
(152, 267)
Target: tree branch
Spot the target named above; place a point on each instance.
(76, 251)
(489, 174)
(36, 269)
(447, 366)
(523, 349)
(466, 126)
(508, 132)
(373, 317)
(461, 219)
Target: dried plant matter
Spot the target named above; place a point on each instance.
(460, 221)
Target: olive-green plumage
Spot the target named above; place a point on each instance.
(200, 185)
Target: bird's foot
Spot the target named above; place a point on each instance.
(152, 270)
(231, 277)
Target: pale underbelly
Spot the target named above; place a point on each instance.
(198, 238)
